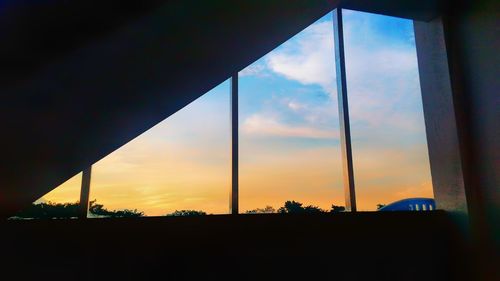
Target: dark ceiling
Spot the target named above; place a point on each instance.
(80, 78)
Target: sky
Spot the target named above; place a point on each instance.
(289, 131)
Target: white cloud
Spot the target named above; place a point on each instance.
(255, 69)
(260, 125)
(295, 106)
(307, 58)
(321, 114)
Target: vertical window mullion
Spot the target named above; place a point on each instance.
(345, 131)
(233, 204)
(85, 192)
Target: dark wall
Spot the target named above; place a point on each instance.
(473, 29)
(474, 42)
(345, 246)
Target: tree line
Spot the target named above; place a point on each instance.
(51, 210)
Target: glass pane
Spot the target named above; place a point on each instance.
(289, 141)
(182, 164)
(61, 202)
(387, 125)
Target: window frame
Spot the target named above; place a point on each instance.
(430, 44)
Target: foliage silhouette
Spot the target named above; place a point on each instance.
(186, 213)
(293, 207)
(337, 209)
(100, 211)
(50, 210)
(265, 210)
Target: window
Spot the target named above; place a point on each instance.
(181, 164)
(289, 157)
(386, 114)
(289, 146)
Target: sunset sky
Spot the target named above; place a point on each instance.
(289, 131)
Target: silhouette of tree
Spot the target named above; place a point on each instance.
(186, 213)
(99, 210)
(50, 210)
(293, 207)
(337, 209)
(265, 210)
(380, 206)
(313, 209)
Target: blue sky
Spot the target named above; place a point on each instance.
(289, 130)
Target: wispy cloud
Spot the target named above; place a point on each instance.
(259, 125)
(307, 58)
(255, 69)
(325, 113)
